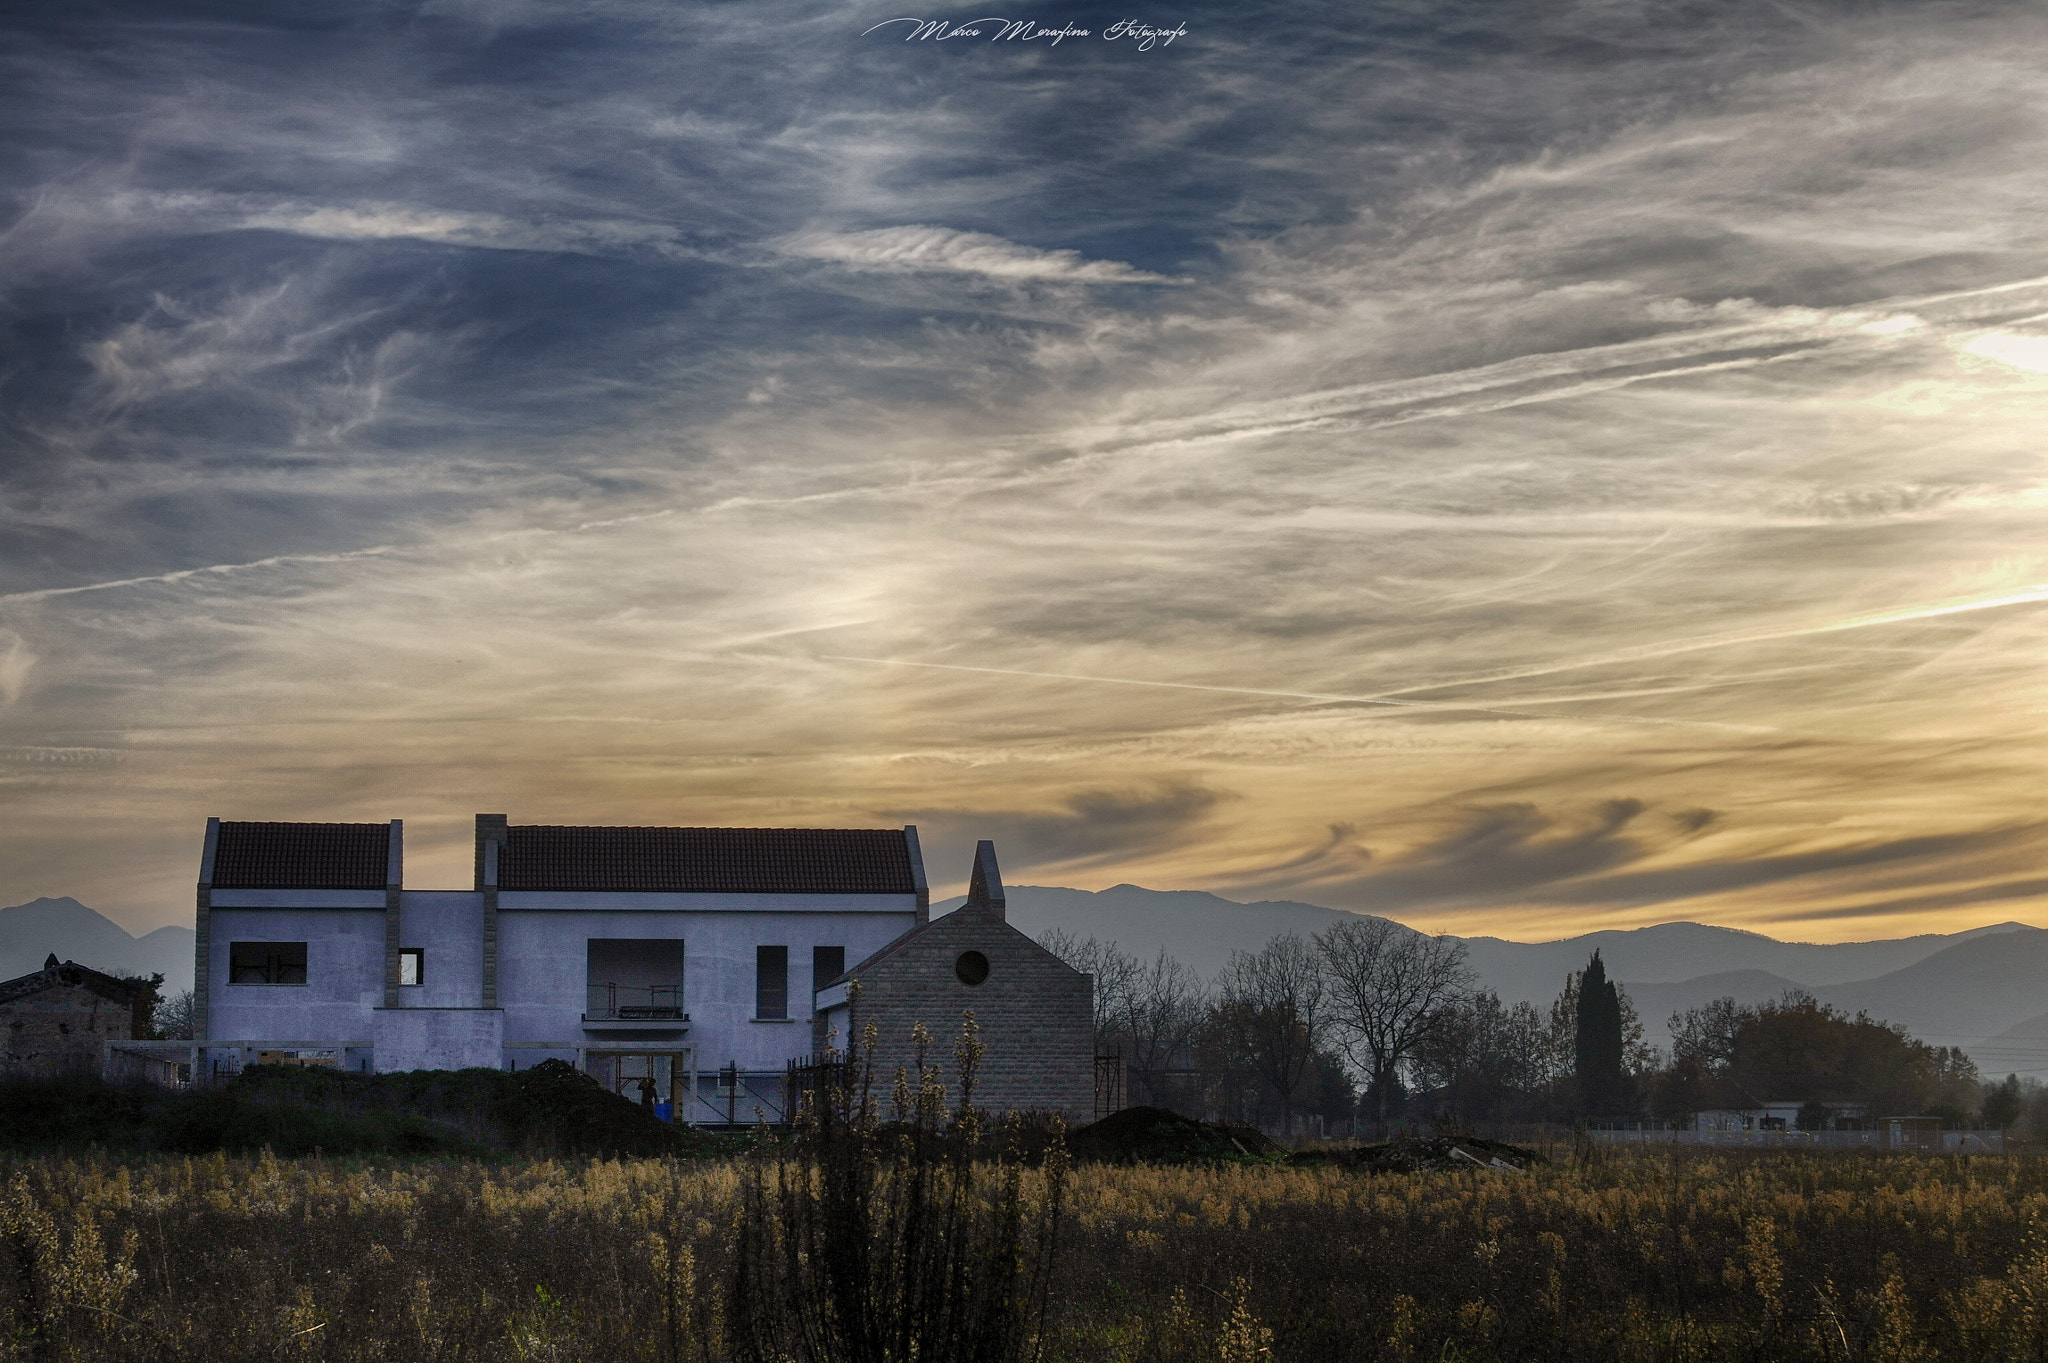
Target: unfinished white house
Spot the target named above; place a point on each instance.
(690, 959)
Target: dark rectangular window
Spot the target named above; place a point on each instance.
(266, 963)
(635, 978)
(827, 963)
(412, 965)
(771, 982)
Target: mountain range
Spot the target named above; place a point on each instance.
(31, 932)
(1985, 989)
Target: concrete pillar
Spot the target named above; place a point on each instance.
(394, 927)
(491, 832)
(202, 935)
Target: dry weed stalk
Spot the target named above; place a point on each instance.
(870, 1242)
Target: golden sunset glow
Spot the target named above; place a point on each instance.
(1507, 491)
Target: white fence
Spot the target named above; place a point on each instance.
(169, 1064)
(1971, 1142)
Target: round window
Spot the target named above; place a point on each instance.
(972, 967)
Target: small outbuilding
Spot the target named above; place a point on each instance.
(58, 1019)
(1035, 1012)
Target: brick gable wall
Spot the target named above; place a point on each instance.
(1035, 1011)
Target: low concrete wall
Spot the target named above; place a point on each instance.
(1978, 1142)
(438, 1039)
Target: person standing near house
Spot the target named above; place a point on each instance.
(647, 1092)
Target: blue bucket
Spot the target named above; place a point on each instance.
(664, 1112)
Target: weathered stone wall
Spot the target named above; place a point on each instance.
(1035, 1013)
(61, 1028)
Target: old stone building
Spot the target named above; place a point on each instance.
(59, 1019)
(1035, 1011)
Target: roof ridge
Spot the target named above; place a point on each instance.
(653, 858)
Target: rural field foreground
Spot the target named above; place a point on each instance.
(1619, 1255)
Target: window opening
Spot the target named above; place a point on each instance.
(412, 965)
(630, 977)
(971, 968)
(266, 963)
(827, 964)
(771, 982)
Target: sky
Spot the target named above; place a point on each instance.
(1518, 468)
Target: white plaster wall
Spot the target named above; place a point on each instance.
(624, 901)
(449, 926)
(344, 976)
(439, 1039)
(542, 980)
(297, 899)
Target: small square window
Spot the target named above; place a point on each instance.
(266, 963)
(412, 965)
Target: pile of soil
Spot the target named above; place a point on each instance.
(1156, 1135)
(1415, 1154)
(555, 1106)
(552, 1108)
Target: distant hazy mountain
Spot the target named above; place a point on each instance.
(1958, 997)
(1672, 952)
(30, 932)
(2021, 1048)
(1197, 928)
(1655, 1003)
(1958, 989)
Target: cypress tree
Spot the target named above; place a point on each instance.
(1598, 1042)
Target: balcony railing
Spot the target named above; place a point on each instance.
(631, 1002)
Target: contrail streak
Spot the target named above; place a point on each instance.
(2031, 595)
(1556, 375)
(1409, 706)
(184, 573)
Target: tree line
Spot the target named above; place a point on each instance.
(1369, 1024)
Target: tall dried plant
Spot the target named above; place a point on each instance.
(871, 1241)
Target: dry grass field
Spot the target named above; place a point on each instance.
(1672, 1255)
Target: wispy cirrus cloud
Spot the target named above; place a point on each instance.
(1427, 428)
(917, 248)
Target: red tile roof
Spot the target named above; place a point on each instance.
(301, 856)
(54, 975)
(743, 860)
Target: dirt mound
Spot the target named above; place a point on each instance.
(1412, 1154)
(1156, 1135)
(556, 1106)
(552, 1108)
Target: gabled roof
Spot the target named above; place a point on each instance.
(302, 856)
(735, 860)
(961, 917)
(55, 975)
(985, 904)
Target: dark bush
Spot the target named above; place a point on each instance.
(550, 1109)
(71, 1111)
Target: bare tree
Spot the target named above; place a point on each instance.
(1269, 1012)
(174, 1017)
(1167, 1006)
(1387, 983)
(1116, 974)
(1707, 1033)
(1486, 1056)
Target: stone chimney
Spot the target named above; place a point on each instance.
(985, 885)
